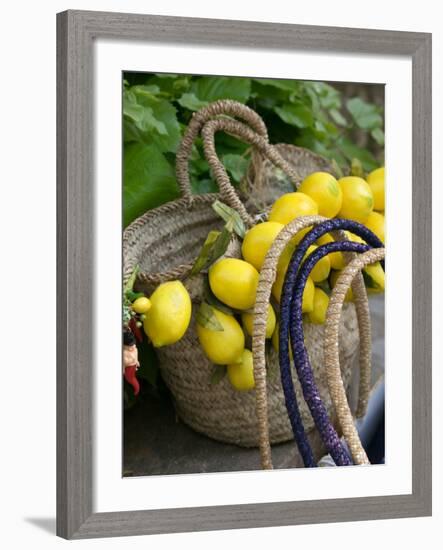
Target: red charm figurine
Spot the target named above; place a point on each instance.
(130, 360)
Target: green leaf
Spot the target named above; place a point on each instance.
(366, 115)
(170, 85)
(203, 185)
(357, 168)
(296, 115)
(378, 135)
(190, 101)
(230, 215)
(148, 180)
(267, 96)
(130, 282)
(313, 98)
(280, 83)
(153, 117)
(326, 96)
(320, 130)
(209, 88)
(236, 165)
(206, 252)
(144, 118)
(337, 117)
(353, 151)
(207, 319)
(222, 242)
(218, 374)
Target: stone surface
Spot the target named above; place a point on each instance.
(156, 442)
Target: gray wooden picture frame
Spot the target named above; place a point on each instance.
(76, 32)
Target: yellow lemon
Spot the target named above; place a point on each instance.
(355, 238)
(141, 305)
(234, 282)
(376, 181)
(241, 374)
(258, 240)
(290, 206)
(333, 279)
(222, 346)
(374, 277)
(321, 270)
(168, 317)
(336, 258)
(277, 287)
(321, 302)
(308, 296)
(308, 293)
(323, 188)
(275, 341)
(285, 256)
(358, 200)
(376, 223)
(248, 322)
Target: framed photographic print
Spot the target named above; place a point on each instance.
(239, 344)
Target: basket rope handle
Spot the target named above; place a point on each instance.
(226, 107)
(243, 132)
(267, 278)
(331, 355)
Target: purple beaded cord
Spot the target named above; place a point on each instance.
(301, 359)
(310, 390)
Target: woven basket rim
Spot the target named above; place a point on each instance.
(179, 271)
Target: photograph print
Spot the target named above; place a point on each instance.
(253, 274)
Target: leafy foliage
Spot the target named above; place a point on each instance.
(157, 108)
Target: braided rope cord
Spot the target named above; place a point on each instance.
(331, 355)
(267, 278)
(239, 130)
(303, 367)
(216, 109)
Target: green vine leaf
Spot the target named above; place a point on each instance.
(366, 115)
(230, 215)
(236, 165)
(218, 374)
(296, 115)
(206, 252)
(207, 318)
(378, 135)
(130, 282)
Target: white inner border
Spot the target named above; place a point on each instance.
(111, 491)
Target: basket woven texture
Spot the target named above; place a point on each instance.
(165, 242)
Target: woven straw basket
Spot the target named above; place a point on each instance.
(165, 242)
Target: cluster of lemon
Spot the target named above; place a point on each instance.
(166, 315)
(234, 281)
